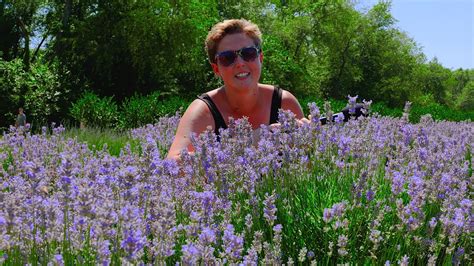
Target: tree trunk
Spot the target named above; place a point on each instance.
(26, 52)
(67, 14)
(65, 26)
(26, 57)
(38, 47)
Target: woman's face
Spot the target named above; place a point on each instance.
(241, 74)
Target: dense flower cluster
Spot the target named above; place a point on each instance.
(375, 189)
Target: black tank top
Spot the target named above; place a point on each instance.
(219, 120)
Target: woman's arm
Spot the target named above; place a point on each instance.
(196, 119)
(289, 102)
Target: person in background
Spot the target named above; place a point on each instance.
(20, 119)
(234, 49)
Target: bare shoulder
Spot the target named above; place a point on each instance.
(289, 102)
(196, 119)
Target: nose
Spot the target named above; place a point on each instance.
(239, 61)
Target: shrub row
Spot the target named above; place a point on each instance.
(91, 110)
(103, 112)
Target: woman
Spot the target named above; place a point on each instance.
(236, 56)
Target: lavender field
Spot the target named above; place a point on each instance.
(376, 190)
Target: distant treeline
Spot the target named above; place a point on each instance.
(122, 48)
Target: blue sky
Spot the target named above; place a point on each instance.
(442, 28)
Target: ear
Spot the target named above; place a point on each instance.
(260, 57)
(215, 68)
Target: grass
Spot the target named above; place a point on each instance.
(96, 138)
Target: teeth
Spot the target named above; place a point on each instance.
(241, 75)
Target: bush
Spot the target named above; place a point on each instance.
(44, 95)
(91, 110)
(37, 90)
(466, 99)
(11, 86)
(140, 110)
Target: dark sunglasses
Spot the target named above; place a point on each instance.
(227, 58)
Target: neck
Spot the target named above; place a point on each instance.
(242, 102)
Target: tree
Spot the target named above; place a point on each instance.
(26, 20)
(466, 99)
(11, 34)
(434, 78)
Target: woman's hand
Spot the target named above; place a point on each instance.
(304, 120)
(300, 122)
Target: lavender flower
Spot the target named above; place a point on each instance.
(456, 260)
(352, 103)
(58, 259)
(207, 236)
(269, 211)
(327, 215)
(232, 244)
(369, 196)
(133, 243)
(314, 112)
(397, 183)
(191, 253)
(251, 258)
(302, 254)
(404, 261)
(342, 243)
(55, 189)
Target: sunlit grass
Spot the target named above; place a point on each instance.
(96, 138)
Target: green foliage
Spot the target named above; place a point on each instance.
(387, 59)
(38, 91)
(44, 96)
(466, 99)
(99, 139)
(92, 110)
(27, 18)
(11, 34)
(126, 48)
(383, 109)
(437, 111)
(434, 77)
(12, 84)
(336, 105)
(139, 110)
(135, 46)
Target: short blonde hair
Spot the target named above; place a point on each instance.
(227, 27)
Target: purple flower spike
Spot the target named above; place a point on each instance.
(269, 211)
(233, 244)
(207, 236)
(352, 103)
(314, 112)
(327, 215)
(191, 254)
(457, 256)
(133, 242)
(58, 259)
(369, 196)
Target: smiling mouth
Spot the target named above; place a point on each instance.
(243, 75)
